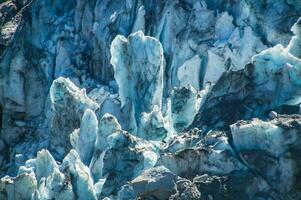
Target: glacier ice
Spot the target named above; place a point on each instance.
(69, 104)
(294, 45)
(190, 73)
(42, 178)
(152, 125)
(108, 125)
(188, 99)
(275, 156)
(83, 30)
(82, 184)
(185, 103)
(138, 69)
(224, 27)
(268, 82)
(87, 136)
(190, 162)
(249, 136)
(21, 187)
(126, 157)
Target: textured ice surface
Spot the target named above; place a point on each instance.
(270, 81)
(87, 136)
(190, 73)
(133, 99)
(138, 69)
(185, 103)
(152, 125)
(73, 39)
(82, 182)
(270, 147)
(295, 43)
(108, 125)
(69, 104)
(125, 159)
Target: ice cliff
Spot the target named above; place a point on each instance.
(134, 99)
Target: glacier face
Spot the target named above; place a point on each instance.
(185, 99)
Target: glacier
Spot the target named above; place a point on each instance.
(154, 100)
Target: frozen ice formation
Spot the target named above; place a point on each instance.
(152, 126)
(138, 69)
(108, 125)
(167, 100)
(126, 157)
(295, 43)
(86, 138)
(190, 72)
(82, 183)
(41, 179)
(69, 104)
(210, 155)
(268, 82)
(185, 103)
(73, 39)
(274, 158)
